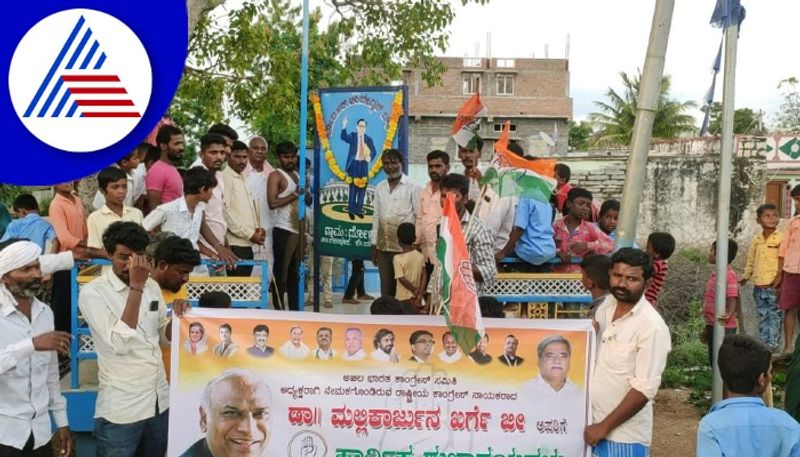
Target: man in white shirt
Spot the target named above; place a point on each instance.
(396, 201)
(353, 344)
(295, 349)
(126, 314)
(451, 353)
(384, 347)
(324, 351)
(213, 151)
(256, 174)
(632, 354)
(28, 361)
(421, 346)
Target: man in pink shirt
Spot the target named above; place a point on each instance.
(789, 282)
(430, 208)
(163, 182)
(575, 236)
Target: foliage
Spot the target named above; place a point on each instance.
(745, 120)
(616, 117)
(788, 116)
(247, 63)
(687, 363)
(579, 135)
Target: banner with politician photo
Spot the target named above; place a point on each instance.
(267, 383)
(354, 126)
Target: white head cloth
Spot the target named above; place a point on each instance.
(16, 255)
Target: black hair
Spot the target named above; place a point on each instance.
(141, 150)
(10, 241)
(25, 201)
(563, 171)
(387, 305)
(224, 130)
(110, 174)
(376, 342)
(197, 178)
(742, 359)
(260, 328)
(129, 234)
(152, 155)
(285, 148)
(166, 132)
(609, 205)
(635, 258)
(361, 120)
(394, 153)
(795, 191)
(227, 326)
(176, 250)
(596, 267)
(455, 181)
(733, 248)
(239, 145)
(765, 207)
(211, 138)
(438, 154)
(406, 233)
(578, 192)
(214, 299)
(418, 333)
(663, 243)
(491, 307)
(516, 149)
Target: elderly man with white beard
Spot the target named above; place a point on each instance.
(28, 362)
(396, 201)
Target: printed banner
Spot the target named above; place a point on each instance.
(354, 126)
(271, 383)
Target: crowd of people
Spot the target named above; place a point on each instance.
(155, 223)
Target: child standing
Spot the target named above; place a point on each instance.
(762, 268)
(409, 267)
(660, 246)
(607, 218)
(29, 224)
(112, 183)
(789, 282)
(728, 318)
(575, 236)
(594, 277)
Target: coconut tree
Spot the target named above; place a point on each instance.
(615, 118)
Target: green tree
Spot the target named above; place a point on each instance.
(247, 63)
(579, 135)
(614, 121)
(745, 120)
(788, 116)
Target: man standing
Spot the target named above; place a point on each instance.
(256, 174)
(430, 207)
(396, 201)
(421, 346)
(324, 351)
(353, 344)
(470, 156)
(358, 157)
(283, 196)
(28, 361)
(384, 346)
(632, 354)
(244, 228)
(128, 320)
(478, 238)
(509, 357)
(163, 182)
(260, 347)
(212, 156)
(451, 353)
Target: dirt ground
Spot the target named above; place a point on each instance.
(675, 424)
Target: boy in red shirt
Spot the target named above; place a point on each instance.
(728, 319)
(660, 246)
(575, 236)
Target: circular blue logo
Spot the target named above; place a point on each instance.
(86, 83)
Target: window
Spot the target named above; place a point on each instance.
(505, 84)
(472, 62)
(505, 63)
(471, 83)
(499, 127)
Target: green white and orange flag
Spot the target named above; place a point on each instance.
(511, 175)
(467, 121)
(459, 295)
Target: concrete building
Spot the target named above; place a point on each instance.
(531, 93)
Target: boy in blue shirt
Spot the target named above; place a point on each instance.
(29, 224)
(741, 425)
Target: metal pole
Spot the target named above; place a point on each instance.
(650, 89)
(301, 204)
(724, 198)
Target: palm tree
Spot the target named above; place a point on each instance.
(615, 119)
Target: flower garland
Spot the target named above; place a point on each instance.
(391, 131)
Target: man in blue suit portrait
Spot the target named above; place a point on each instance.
(358, 157)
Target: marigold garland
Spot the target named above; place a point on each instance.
(391, 131)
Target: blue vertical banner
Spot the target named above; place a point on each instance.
(353, 126)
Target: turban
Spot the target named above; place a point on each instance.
(17, 255)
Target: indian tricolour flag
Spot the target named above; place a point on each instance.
(459, 296)
(511, 175)
(468, 120)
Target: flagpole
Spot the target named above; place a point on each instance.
(301, 206)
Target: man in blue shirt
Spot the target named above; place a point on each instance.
(742, 425)
(532, 236)
(29, 224)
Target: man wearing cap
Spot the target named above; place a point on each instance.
(28, 362)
